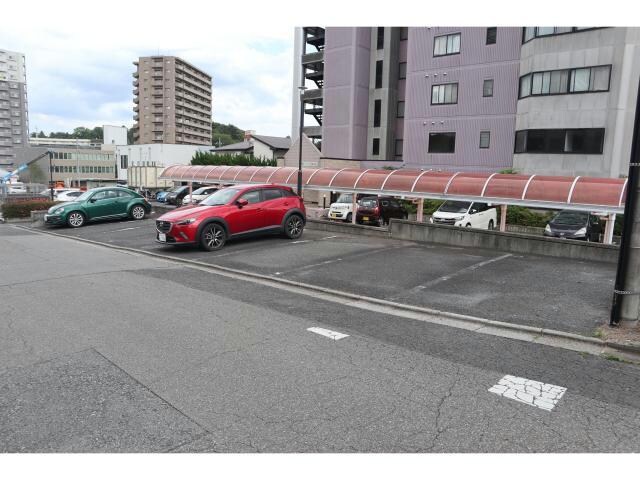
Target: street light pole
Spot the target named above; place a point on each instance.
(50, 174)
(302, 88)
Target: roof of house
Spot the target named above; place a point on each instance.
(234, 147)
(283, 143)
(276, 143)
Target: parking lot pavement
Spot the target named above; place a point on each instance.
(568, 295)
(102, 350)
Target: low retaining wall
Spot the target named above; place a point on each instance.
(487, 239)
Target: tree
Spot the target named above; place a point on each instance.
(222, 134)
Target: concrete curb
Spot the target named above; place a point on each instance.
(549, 337)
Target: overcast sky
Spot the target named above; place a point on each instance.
(79, 65)
(79, 54)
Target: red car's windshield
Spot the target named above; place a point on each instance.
(221, 197)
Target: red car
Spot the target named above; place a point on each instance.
(231, 212)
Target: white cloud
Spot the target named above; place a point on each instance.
(79, 62)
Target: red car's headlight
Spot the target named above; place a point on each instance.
(187, 221)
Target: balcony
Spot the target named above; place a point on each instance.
(196, 91)
(136, 91)
(136, 83)
(313, 58)
(135, 74)
(136, 108)
(313, 131)
(314, 94)
(136, 100)
(136, 117)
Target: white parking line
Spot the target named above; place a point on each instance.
(123, 229)
(536, 394)
(301, 241)
(332, 236)
(444, 278)
(327, 333)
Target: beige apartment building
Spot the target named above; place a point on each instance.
(172, 102)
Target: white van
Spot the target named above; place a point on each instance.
(466, 214)
(342, 208)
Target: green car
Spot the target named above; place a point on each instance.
(104, 203)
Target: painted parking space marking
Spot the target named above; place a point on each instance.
(301, 241)
(123, 229)
(445, 278)
(328, 333)
(531, 392)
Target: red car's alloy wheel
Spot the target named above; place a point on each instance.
(213, 237)
(294, 226)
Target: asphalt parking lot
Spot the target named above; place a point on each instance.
(568, 295)
(111, 351)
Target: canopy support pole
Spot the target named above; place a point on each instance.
(608, 229)
(354, 207)
(503, 218)
(420, 211)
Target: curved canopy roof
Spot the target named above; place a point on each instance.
(541, 191)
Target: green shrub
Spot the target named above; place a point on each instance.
(430, 206)
(23, 209)
(526, 217)
(208, 158)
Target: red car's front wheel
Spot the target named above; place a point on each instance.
(213, 237)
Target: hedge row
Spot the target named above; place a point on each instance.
(23, 209)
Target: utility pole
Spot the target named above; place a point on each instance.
(626, 293)
(302, 88)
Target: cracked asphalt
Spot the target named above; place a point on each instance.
(105, 351)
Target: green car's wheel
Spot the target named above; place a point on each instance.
(137, 212)
(75, 219)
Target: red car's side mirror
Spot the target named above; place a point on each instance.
(242, 202)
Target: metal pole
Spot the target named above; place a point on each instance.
(77, 163)
(629, 215)
(503, 218)
(608, 230)
(420, 210)
(300, 142)
(50, 174)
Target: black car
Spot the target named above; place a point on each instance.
(574, 225)
(175, 196)
(378, 210)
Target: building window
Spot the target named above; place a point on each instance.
(485, 139)
(400, 111)
(404, 33)
(487, 88)
(444, 94)
(375, 150)
(446, 45)
(492, 34)
(124, 162)
(379, 74)
(584, 141)
(558, 82)
(529, 33)
(444, 142)
(377, 112)
(402, 70)
(380, 39)
(399, 147)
